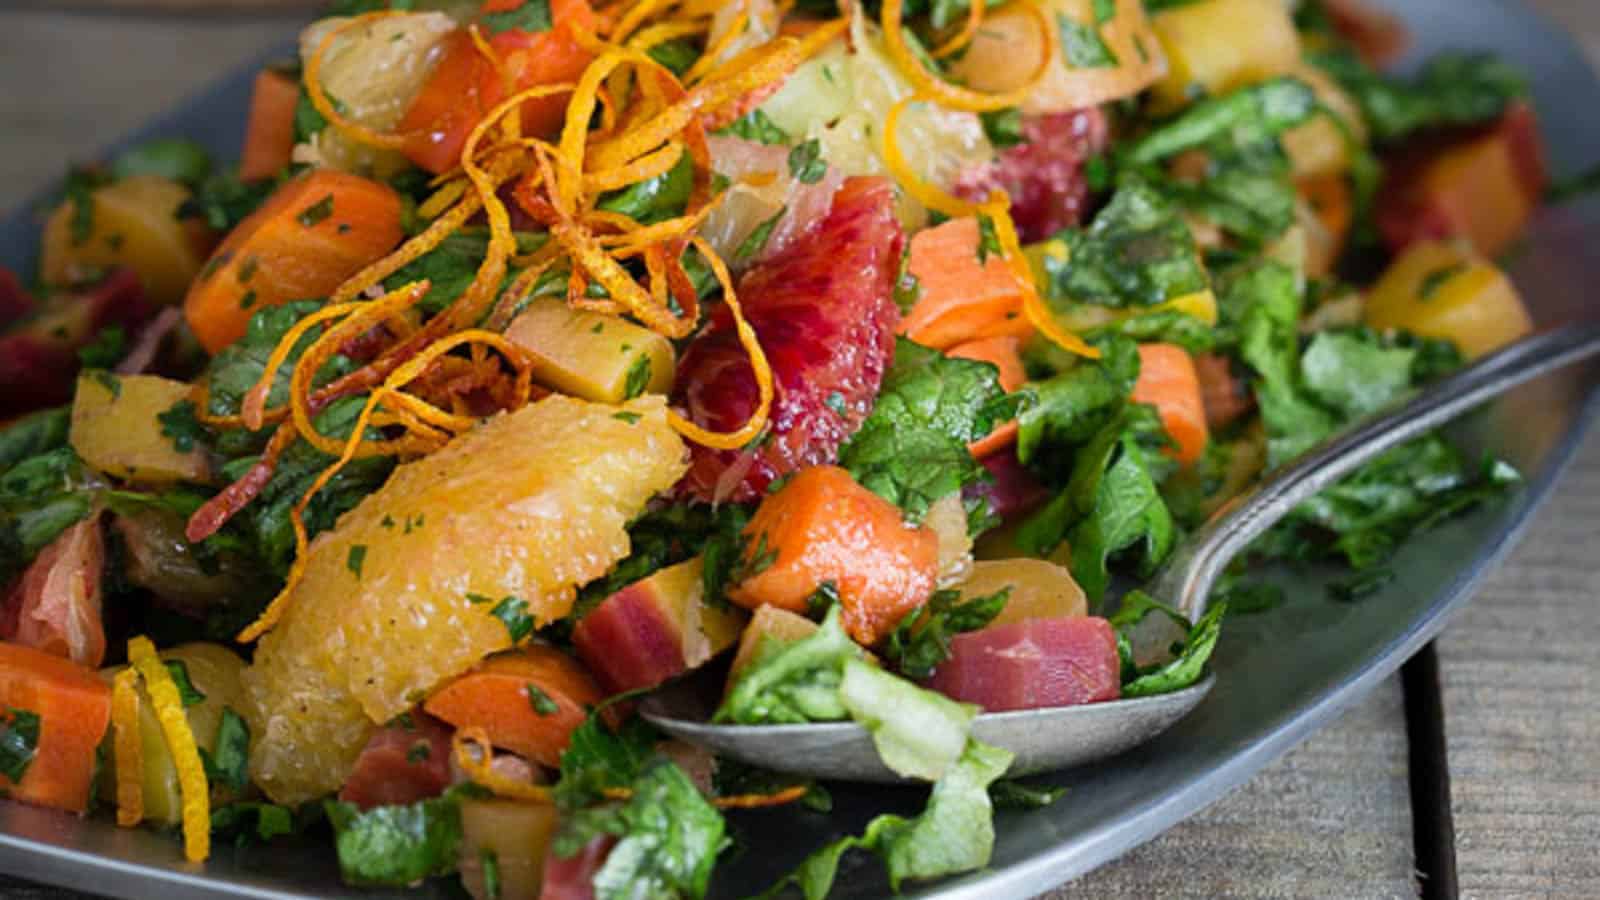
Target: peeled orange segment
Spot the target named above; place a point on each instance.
(399, 596)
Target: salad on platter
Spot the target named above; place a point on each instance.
(536, 353)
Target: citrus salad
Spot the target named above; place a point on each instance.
(536, 353)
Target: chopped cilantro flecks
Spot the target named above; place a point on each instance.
(19, 742)
(806, 163)
(187, 692)
(106, 350)
(531, 16)
(355, 559)
(513, 613)
(756, 240)
(639, 375)
(316, 212)
(541, 701)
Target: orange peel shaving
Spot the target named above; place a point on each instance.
(127, 747)
(192, 784)
(475, 756)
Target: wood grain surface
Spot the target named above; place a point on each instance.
(1330, 819)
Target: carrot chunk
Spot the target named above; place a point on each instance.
(73, 706)
(269, 131)
(1168, 381)
(306, 239)
(824, 527)
(527, 701)
(960, 295)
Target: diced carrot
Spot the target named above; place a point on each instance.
(269, 132)
(1005, 353)
(1483, 190)
(307, 238)
(960, 296)
(824, 527)
(1329, 197)
(463, 86)
(1224, 395)
(74, 709)
(528, 701)
(1167, 381)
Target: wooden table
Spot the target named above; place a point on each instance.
(1331, 819)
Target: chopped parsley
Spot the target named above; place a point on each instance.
(806, 163)
(355, 559)
(639, 374)
(531, 16)
(756, 240)
(19, 742)
(316, 212)
(540, 701)
(187, 692)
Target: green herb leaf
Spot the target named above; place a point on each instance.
(187, 692)
(756, 126)
(531, 16)
(177, 159)
(1453, 89)
(806, 163)
(1003, 127)
(597, 758)
(540, 701)
(489, 862)
(355, 558)
(513, 613)
(918, 733)
(19, 742)
(922, 639)
(1082, 46)
(756, 240)
(316, 212)
(1008, 794)
(638, 379)
(396, 845)
(230, 760)
(181, 425)
(110, 344)
(793, 682)
(1138, 252)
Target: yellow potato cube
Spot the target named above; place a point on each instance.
(1215, 46)
(1320, 146)
(133, 222)
(591, 355)
(115, 429)
(1441, 290)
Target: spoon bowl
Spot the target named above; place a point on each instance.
(1061, 737)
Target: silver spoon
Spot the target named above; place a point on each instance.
(1062, 737)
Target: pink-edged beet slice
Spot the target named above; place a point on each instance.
(654, 629)
(1032, 665)
(402, 763)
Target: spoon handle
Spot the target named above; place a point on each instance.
(1186, 579)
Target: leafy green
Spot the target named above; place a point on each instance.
(222, 201)
(1453, 89)
(756, 240)
(918, 733)
(678, 55)
(1245, 117)
(260, 821)
(188, 694)
(19, 742)
(954, 833)
(178, 159)
(756, 126)
(1069, 408)
(654, 199)
(531, 16)
(1355, 374)
(598, 758)
(1003, 127)
(806, 164)
(450, 267)
(921, 641)
(34, 434)
(1117, 506)
(793, 682)
(229, 763)
(1082, 45)
(40, 497)
(106, 350)
(237, 368)
(912, 449)
(1138, 252)
(1188, 662)
(1008, 794)
(669, 837)
(396, 845)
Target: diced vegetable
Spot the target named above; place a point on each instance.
(965, 292)
(654, 629)
(1320, 146)
(55, 713)
(572, 877)
(503, 848)
(1214, 46)
(1225, 395)
(132, 222)
(494, 533)
(528, 701)
(463, 87)
(55, 606)
(269, 132)
(824, 527)
(917, 734)
(1483, 190)
(405, 761)
(370, 74)
(207, 676)
(116, 429)
(591, 355)
(770, 623)
(307, 238)
(1325, 213)
(1440, 290)
(1033, 664)
(1108, 60)
(1167, 381)
(1039, 589)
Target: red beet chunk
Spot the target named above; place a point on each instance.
(824, 311)
(402, 763)
(39, 357)
(572, 878)
(1014, 490)
(1033, 664)
(1044, 175)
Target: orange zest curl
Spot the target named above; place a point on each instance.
(475, 756)
(312, 78)
(128, 747)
